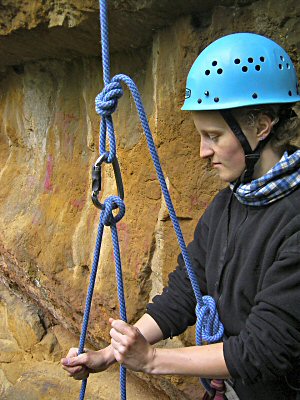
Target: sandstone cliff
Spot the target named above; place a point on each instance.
(50, 73)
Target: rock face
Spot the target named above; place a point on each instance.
(50, 74)
(31, 348)
(70, 28)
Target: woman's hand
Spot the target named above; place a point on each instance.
(130, 348)
(80, 366)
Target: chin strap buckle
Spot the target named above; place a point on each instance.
(251, 160)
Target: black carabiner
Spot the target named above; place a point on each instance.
(97, 179)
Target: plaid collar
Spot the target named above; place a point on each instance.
(278, 182)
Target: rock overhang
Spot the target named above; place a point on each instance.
(65, 31)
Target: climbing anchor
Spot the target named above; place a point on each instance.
(208, 327)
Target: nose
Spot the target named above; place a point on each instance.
(206, 150)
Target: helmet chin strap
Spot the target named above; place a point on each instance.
(251, 156)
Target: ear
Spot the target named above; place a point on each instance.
(264, 126)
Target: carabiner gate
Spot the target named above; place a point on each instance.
(97, 179)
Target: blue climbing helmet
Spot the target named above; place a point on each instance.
(239, 70)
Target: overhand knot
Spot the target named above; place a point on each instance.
(110, 204)
(106, 102)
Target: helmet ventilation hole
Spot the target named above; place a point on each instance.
(245, 65)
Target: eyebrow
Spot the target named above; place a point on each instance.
(212, 130)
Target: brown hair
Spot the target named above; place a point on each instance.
(286, 122)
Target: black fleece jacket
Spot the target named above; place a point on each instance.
(248, 259)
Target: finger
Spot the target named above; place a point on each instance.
(118, 357)
(73, 370)
(119, 347)
(124, 328)
(73, 352)
(74, 361)
(118, 337)
(80, 375)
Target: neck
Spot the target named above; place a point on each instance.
(268, 158)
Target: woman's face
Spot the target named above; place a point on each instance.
(219, 145)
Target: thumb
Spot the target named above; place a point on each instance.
(74, 361)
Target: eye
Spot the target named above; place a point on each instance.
(214, 138)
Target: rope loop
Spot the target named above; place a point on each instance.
(111, 203)
(106, 102)
(209, 329)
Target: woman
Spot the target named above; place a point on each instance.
(245, 251)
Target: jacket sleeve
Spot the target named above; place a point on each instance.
(174, 309)
(269, 344)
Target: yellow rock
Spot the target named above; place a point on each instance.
(50, 73)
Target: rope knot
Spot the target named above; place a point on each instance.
(106, 102)
(208, 326)
(110, 204)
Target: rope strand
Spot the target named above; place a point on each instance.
(209, 329)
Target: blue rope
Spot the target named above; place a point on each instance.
(209, 329)
(106, 219)
(209, 312)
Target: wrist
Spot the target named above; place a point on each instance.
(109, 356)
(150, 365)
